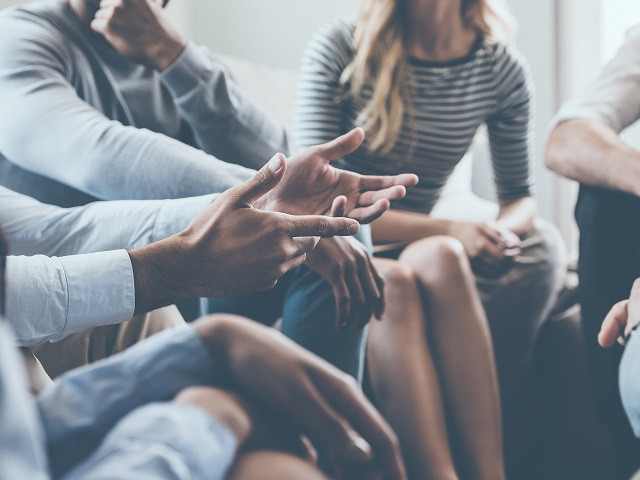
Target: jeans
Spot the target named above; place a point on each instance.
(306, 304)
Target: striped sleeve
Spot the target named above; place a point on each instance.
(511, 127)
(318, 115)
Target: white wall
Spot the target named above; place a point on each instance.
(273, 32)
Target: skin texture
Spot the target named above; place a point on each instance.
(318, 400)
(139, 30)
(434, 329)
(592, 153)
(623, 317)
(231, 248)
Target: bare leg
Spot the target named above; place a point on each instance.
(461, 342)
(269, 465)
(404, 378)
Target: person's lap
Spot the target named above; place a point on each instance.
(609, 263)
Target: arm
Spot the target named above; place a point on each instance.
(592, 153)
(36, 228)
(46, 128)
(226, 122)
(584, 144)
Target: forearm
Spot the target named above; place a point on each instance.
(593, 154)
(518, 216)
(397, 226)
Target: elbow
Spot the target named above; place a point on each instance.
(555, 156)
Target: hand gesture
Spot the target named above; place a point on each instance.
(312, 184)
(231, 248)
(323, 403)
(623, 317)
(139, 30)
(490, 247)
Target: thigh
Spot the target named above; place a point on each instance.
(101, 342)
(609, 263)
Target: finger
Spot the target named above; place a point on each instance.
(375, 284)
(302, 245)
(338, 206)
(351, 403)
(357, 295)
(368, 214)
(492, 251)
(341, 146)
(613, 324)
(262, 182)
(370, 288)
(343, 301)
(392, 193)
(491, 233)
(320, 226)
(376, 182)
(330, 427)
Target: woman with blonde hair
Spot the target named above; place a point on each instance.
(421, 76)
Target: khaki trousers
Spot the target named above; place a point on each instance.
(50, 360)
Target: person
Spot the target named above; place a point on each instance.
(421, 77)
(110, 102)
(66, 300)
(584, 144)
(191, 403)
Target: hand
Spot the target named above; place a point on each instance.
(312, 183)
(230, 248)
(138, 30)
(324, 404)
(490, 247)
(357, 286)
(623, 317)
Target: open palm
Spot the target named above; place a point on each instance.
(311, 184)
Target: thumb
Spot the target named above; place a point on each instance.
(263, 181)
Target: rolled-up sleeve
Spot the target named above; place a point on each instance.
(162, 440)
(49, 298)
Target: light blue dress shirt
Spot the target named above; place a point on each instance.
(51, 291)
(113, 419)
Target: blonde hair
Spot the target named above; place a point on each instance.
(380, 62)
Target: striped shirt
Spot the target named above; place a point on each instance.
(449, 101)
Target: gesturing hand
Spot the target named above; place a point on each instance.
(299, 388)
(139, 30)
(357, 286)
(312, 183)
(230, 248)
(623, 317)
(490, 247)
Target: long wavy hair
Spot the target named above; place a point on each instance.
(380, 60)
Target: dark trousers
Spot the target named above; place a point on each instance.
(609, 223)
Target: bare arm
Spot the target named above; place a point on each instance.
(518, 215)
(398, 226)
(592, 153)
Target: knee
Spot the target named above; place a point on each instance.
(268, 465)
(397, 276)
(435, 259)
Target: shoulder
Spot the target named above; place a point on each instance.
(30, 30)
(511, 71)
(333, 44)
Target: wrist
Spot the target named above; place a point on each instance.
(158, 274)
(163, 53)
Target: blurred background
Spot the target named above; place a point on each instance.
(565, 41)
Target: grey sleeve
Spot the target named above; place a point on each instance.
(46, 128)
(226, 121)
(511, 128)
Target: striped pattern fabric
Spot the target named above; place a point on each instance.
(449, 101)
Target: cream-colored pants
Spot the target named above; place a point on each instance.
(50, 360)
